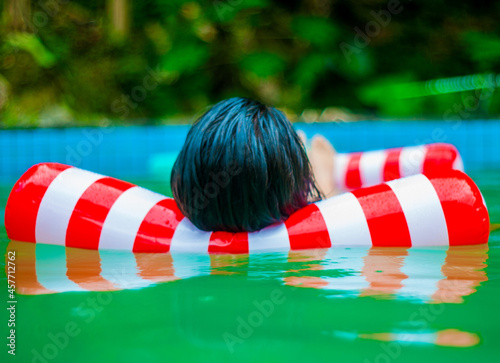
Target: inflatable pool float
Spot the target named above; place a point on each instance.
(63, 205)
(361, 169)
(364, 169)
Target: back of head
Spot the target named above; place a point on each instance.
(242, 168)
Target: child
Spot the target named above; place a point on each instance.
(243, 167)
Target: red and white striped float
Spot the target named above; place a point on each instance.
(63, 205)
(364, 169)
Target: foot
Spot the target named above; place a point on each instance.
(322, 156)
(302, 137)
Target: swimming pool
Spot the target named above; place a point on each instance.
(344, 304)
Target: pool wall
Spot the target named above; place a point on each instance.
(125, 152)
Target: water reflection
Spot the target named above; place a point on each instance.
(432, 275)
(445, 338)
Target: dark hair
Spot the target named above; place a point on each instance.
(242, 168)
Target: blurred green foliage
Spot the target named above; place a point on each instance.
(73, 63)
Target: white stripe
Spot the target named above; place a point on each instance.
(408, 338)
(188, 238)
(411, 160)
(125, 217)
(371, 167)
(188, 265)
(340, 170)
(51, 269)
(120, 268)
(423, 268)
(58, 204)
(272, 238)
(351, 262)
(345, 220)
(422, 209)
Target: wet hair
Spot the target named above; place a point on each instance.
(242, 168)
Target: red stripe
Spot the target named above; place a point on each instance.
(157, 267)
(353, 175)
(224, 264)
(307, 229)
(84, 269)
(227, 242)
(25, 198)
(391, 167)
(385, 217)
(439, 157)
(382, 269)
(158, 227)
(465, 213)
(85, 224)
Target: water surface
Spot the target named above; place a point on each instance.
(343, 304)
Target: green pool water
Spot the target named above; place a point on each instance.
(342, 305)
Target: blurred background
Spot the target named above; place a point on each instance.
(122, 62)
